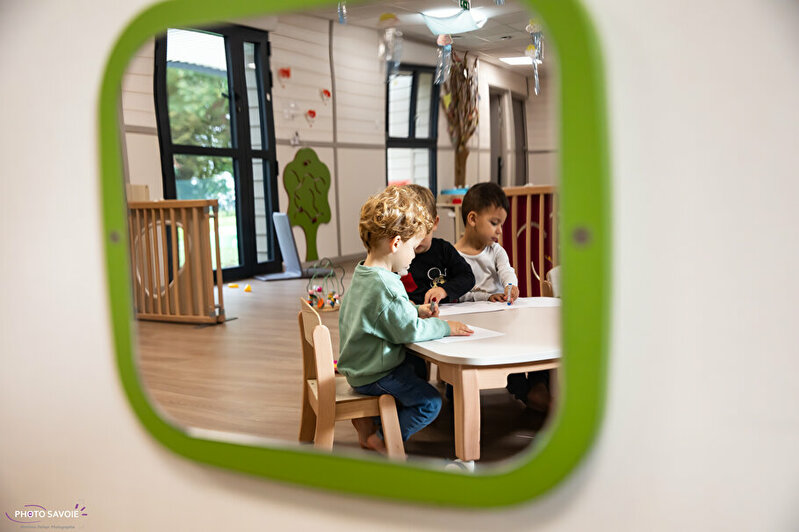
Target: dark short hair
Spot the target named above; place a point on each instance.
(483, 196)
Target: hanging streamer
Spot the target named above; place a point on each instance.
(390, 49)
(443, 58)
(535, 51)
(342, 12)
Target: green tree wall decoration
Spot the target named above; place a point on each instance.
(307, 183)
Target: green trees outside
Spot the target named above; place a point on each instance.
(199, 115)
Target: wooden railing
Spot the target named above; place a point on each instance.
(171, 263)
(529, 235)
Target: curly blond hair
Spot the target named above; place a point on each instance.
(397, 211)
(426, 197)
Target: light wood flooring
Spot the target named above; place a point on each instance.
(245, 377)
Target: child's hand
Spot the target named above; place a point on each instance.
(435, 292)
(457, 328)
(514, 293)
(426, 312)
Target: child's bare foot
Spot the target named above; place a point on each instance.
(365, 427)
(539, 398)
(376, 443)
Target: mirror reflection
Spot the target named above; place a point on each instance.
(270, 308)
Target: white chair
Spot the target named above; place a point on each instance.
(553, 280)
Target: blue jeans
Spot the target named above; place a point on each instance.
(418, 403)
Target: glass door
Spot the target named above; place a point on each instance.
(213, 101)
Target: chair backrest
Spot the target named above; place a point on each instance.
(317, 352)
(310, 320)
(553, 276)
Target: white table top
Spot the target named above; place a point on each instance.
(530, 334)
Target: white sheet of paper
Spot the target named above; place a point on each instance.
(479, 334)
(470, 307)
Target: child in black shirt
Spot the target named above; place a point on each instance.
(438, 272)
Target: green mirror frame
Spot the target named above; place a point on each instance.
(585, 252)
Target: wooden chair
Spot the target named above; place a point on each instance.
(327, 398)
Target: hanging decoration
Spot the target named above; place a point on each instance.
(283, 75)
(443, 58)
(390, 49)
(290, 110)
(535, 51)
(310, 117)
(342, 12)
(325, 95)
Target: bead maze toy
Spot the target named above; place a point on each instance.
(325, 290)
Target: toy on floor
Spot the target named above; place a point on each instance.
(325, 291)
(248, 288)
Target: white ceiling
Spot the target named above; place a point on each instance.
(502, 35)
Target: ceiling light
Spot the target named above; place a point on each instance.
(524, 60)
(442, 22)
(442, 12)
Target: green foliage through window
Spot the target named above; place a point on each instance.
(199, 110)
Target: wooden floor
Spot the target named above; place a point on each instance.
(244, 377)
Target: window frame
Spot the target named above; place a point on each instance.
(411, 141)
(239, 151)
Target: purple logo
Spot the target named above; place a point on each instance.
(29, 514)
(34, 513)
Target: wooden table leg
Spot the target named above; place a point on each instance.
(466, 395)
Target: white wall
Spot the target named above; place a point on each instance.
(543, 125)
(701, 425)
(360, 113)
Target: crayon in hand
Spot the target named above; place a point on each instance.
(433, 305)
(509, 292)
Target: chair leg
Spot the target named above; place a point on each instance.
(391, 429)
(307, 420)
(325, 426)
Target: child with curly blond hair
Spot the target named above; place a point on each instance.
(377, 318)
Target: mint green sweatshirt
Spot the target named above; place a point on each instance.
(375, 319)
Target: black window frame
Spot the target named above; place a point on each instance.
(239, 151)
(411, 141)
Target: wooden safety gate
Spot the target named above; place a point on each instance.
(172, 262)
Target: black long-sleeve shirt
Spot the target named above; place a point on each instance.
(441, 265)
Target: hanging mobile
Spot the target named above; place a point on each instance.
(443, 58)
(390, 49)
(535, 51)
